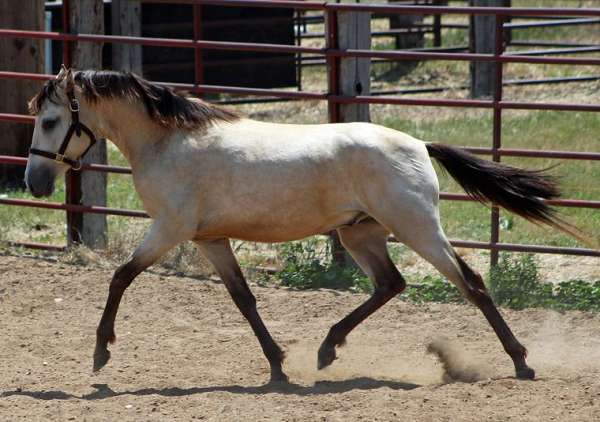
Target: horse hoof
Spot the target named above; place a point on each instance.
(279, 378)
(526, 373)
(326, 357)
(100, 359)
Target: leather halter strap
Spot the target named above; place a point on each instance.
(77, 127)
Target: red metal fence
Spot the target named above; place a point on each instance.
(332, 54)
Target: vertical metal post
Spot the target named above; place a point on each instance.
(333, 88)
(333, 64)
(437, 28)
(73, 194)
(198, 59)
(66, 24)
(298, 18)
(497, 133)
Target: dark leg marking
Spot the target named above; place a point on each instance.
(246, 303)
(371, 254)
(338, 332)
(219, 253)
(478, 294)
(105, 333)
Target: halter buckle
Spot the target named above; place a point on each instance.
(77, 166)
(60, 158)
(74, 105)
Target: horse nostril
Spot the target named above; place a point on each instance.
(40, 182)
(35, 192)
(43, 191)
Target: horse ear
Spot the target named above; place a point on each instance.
(69, 79)
(63, 73)
(65, 78)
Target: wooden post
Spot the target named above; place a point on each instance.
(18, 55)
(87, 16)
(482, 39)
(411, 39)
(126, 17)
(354, 32)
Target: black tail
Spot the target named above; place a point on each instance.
(519, 191)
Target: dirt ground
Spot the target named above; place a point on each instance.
(185, 353)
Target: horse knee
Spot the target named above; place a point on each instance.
(123, 277)
(390, 284)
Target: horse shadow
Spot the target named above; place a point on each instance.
(103, 391)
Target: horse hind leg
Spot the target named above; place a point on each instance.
(367, 243)
(477, 293)
(428, 240)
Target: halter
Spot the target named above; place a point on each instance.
(77, 127)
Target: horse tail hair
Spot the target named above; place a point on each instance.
(520, 191)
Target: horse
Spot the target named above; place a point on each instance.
(208, 174)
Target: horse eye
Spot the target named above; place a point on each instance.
(49, 124)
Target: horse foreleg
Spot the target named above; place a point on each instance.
(156, 243)
(219, 253)
(367, 243)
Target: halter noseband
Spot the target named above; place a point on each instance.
(77, 127)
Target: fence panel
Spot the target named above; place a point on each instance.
(331, 55)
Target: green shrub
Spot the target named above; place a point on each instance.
(515, 283)
(309, 265)
(434, 289)
(578, 294)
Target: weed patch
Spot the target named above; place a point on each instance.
(515, 283)
(309, 265)
(434, 289)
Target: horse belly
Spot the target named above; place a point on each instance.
(279, 223)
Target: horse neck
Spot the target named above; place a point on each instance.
(128, 126)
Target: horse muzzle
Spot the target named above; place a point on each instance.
(40, 181)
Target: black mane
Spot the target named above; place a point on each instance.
(163, 105)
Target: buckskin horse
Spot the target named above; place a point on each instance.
(208, 175)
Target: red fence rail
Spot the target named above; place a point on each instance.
(332, 55)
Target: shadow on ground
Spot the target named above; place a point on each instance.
(103, 391)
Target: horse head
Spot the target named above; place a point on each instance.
(59, 138)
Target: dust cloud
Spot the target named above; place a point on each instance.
(457, 364)
(560, 347)
(356, 361)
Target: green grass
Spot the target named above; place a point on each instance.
(33, 224)
(556, 33)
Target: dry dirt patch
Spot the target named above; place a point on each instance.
(185, 353)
